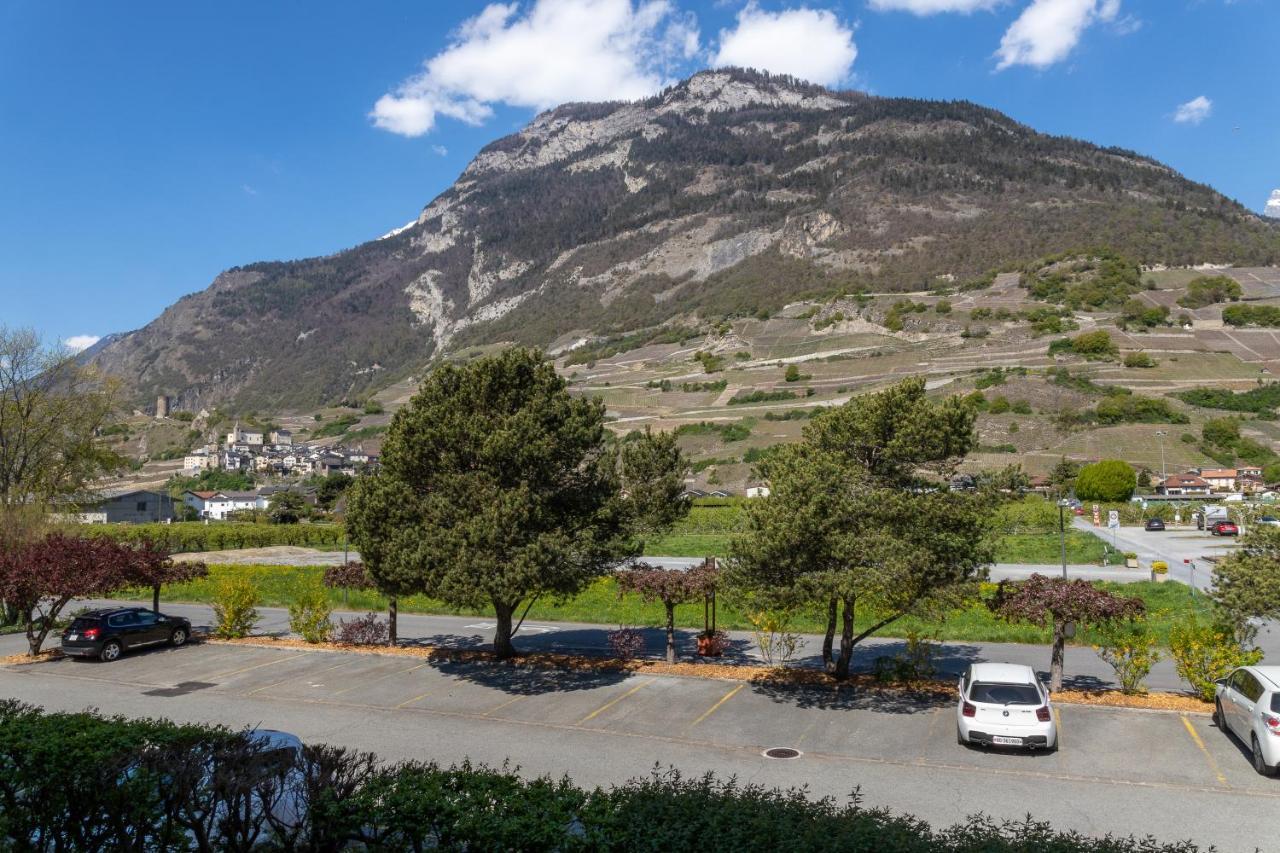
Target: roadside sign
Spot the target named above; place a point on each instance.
(1113, 518)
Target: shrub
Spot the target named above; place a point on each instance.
(1094, 345)
(999, 406)
(234, 607)
(1108, 480)
(913, 663)
(1130, 649)
(778, 644)
(1138, 359)
(366, 630)
(942, 307)
(1208, 290)
(309, 612)
(1204, 653)
(626, 643)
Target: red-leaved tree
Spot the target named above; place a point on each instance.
(39, 578)
(353, 575)
(153, 566)
(670, 586)
(1057, 602)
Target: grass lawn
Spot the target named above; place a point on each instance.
(1167, 604)
(1082, 548)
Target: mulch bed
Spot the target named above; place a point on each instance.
(921, 690)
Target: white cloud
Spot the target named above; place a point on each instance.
(1273, 205)
(811, 44)
(248, 190)
(934, 7)
(79, 343)
(441, 150)
(541, 55)
(1048, 30)
(1193, 111)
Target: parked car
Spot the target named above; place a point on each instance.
(1004, 704)
(1154, 524)
(1269, 520)
(1224, 528)
(107, 633)
(1247, 705)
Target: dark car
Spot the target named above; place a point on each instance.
(1224, 528)
(1155, 524)
(107, 633)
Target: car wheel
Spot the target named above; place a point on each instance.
(1219, 719)
(111, 651)
(178, 637)
(1260, 763)
(960, 738)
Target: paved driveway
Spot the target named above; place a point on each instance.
(1169, 775)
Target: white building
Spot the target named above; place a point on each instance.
(218, 505)
(197, 462)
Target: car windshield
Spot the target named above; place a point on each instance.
(82, 623)
(1004, 694)
(1275, 702)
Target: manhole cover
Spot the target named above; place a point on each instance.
(782, 752)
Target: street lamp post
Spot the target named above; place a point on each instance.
(1062, 533)
(1160, 434)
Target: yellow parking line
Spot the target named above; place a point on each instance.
(725, 698)
(255, 666)
(607, 705)
(1057, 715)
(500, 707)
(376, 680)
(292, 677)
(414, 699)
(1213, 765)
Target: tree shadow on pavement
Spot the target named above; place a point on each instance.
(519, 680)
(846, 697)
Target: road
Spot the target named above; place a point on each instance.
(1173, 546)
(1168, 775)
(1084, 669)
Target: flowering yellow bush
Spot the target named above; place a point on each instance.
(1205, 653)
(1160, 567)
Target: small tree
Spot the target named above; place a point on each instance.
(1204, 652)
(1130, 648)
(153, 567)
(672, 587)
(1108, 480)
(38, 579)
(287, 508)
(309, 612)
(1057, 603)
(235, 602)
(792, 373)
(1246, 583)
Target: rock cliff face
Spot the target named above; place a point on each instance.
(731, 192)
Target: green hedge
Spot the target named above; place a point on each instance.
(84, 782)
(190, 536)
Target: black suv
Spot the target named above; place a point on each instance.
(106, 633)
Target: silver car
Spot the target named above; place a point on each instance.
(1247, 704)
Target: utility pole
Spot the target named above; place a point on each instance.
(1160, 434)
(1062, 533)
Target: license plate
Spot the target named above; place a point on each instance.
(1006, 741)
(73, 637)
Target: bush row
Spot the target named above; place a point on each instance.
(188, 536)
(84, 782)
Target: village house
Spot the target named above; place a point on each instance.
(138, 506)
(1220, 479)
(1183, 484)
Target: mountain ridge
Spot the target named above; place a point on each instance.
(731, 192)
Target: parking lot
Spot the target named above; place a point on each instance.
(1171, 775)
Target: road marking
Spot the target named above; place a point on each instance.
(414, 699)
(1057, 715)
(725, 698)
(255, 666)
(291, 677)
(500, 707)
(607, 705)
(1213, 764)
(376, 680)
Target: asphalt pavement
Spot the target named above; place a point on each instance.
(1168, 775)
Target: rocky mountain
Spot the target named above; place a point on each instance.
(732, 192)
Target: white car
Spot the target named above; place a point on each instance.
(1004, 704)
(1247, 705)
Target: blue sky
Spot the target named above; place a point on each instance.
(146, 146)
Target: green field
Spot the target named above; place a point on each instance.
(1168, 603)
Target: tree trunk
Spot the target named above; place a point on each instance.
(846, 641)
(828, 663)
(502, 645)
(391, 621)
(155, 598)
(1059, 652)
(671, 632)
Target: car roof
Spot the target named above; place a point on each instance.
(1270, 673)
(109, 611)
(1003, 673)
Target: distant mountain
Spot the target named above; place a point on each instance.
(732, 192)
